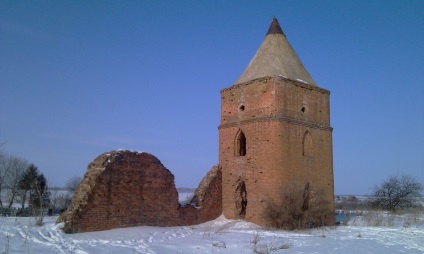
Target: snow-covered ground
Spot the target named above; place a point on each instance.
(19, 235)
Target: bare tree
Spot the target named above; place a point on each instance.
(398, 193)
(299, 208)
(73, 183)
(4, 159)
(17, 167)
(60, 200)
(40, 198)
(11, 170)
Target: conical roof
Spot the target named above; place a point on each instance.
(275, 57)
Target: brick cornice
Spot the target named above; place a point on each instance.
(278, 119)
(279, 80)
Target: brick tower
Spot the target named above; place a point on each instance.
(275, 135)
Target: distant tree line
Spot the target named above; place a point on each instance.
(24, 190)
(21, 182)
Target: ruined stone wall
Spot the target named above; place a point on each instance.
(125, 188)
(276, 116)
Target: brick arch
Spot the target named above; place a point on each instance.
(240, 144)
(307, 144)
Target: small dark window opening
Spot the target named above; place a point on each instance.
(303, 109)
(241, 144)
(242, 107)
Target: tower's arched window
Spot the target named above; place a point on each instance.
(307, 144)
(240, 144)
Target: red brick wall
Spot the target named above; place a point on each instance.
(274, 125)
(124, 189)
(207, 202)
(208, 196)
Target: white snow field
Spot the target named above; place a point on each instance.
(19, 235)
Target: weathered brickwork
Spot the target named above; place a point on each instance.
(269, 113)
(206, 203)
(275, 134)
(124, 188)
(208, 196)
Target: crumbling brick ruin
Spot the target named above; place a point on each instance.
(275, 140)
(208, 196)
(125, 188)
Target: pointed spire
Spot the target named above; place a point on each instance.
(275, 27)
(275, 57)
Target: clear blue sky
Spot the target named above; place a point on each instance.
(80, 78)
